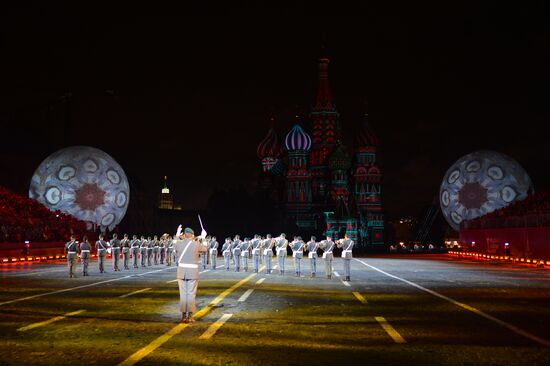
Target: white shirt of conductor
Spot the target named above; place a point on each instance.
(188, 249)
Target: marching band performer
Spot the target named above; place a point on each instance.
(281, 244)
(245, 252)
(256, 252)
(150, 246)
(85, 248)
(162, 248)
(235, 243)
(297, 247)
(143, 250)
(169, 250)
(311, 247)
(125, 244)
(134, 244)
(101, 251)
(226, 251)
(347, 245)
(236, 251)
(213, 247)
(115, 251)
(267, 247)
(71, 247)
(327, 246)
(202, 256)
(156, 253)
(187, 249)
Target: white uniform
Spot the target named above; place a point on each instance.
(280, 246)
(347, 246)
(327, 246)
(187, 259)
(213, 249)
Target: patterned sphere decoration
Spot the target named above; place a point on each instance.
(84, 182)
(479, 183)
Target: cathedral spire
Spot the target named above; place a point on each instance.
(324, 96)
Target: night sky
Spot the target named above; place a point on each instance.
(173, 92)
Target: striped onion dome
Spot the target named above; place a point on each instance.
(270, 146)
(366, 135)
(297, 139)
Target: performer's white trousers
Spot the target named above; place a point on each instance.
(267, 261)
(213, 258)
(188, 291)
(328, 267)
(313, 262)
(347, 267)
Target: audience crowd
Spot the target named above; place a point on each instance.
(22, 218)
(532, 211)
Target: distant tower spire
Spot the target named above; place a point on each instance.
(166, 201)
(324, 96)
(165, 189)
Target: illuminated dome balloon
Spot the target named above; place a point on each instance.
(479, 183)
(84, 182)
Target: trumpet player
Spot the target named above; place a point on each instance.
(281, 244)
(347, 245)
(311, 247)
(327, 246)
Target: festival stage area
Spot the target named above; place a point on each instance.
(418, 310)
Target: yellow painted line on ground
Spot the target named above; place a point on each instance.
(148, 349)
(511, 327)
(360, 297)
(215, 326)
(259, 282)
(176, 280)
(135, 292)
(49, 321)
(390, 330)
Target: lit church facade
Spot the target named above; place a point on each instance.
(320, 188)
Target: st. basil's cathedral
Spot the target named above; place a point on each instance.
(318, 186)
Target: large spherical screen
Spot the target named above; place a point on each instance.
(84, 182)
(479, 183)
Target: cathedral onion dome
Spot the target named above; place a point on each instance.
(297, 139)
(270, 146)
(339, 159)
(366, 135)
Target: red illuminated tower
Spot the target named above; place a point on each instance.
(367, 185)
(325, 132)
